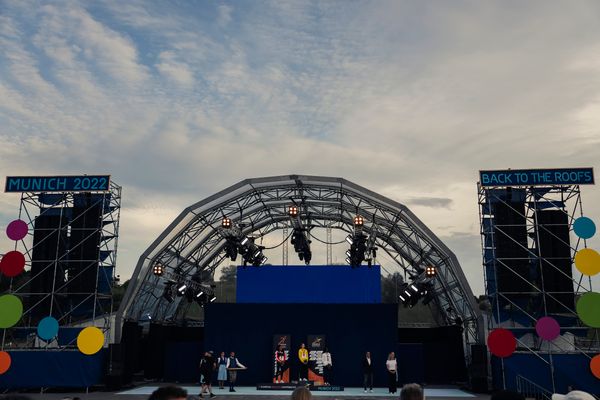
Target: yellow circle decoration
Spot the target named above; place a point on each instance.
(587, 261)
(90, 340)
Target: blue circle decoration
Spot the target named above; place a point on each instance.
(584, 227)
(47, 328)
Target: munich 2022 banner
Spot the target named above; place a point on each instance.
(285, 341)
(316, 344)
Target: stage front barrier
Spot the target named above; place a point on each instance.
(66, 368)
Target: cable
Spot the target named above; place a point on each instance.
(324, 242)
(280, 244)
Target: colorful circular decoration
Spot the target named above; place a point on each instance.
(587, 309)
(17, 229)
(584, 227)
(547, 328)
(11, 310)
(12, 263)
(502, 342)
(595, 366)
(90, 340)
(587, 261)
(5, 362)
(47, 328)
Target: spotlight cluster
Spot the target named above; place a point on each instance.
(300, 239)
(236, 243)
(193, 291)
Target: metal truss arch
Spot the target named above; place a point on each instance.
(193, 244)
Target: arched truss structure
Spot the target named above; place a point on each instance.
(193, 244)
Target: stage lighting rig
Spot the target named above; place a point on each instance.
(168, 291)
(226, 223)
(299, 238)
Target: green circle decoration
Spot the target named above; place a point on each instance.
(588, 307)
(11, 310)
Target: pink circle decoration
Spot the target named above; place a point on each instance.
(547, 328)
(17, 229)
(12, 263)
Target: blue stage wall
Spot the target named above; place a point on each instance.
(570, 370)
(350, 330)
(35, 369)
(340, 284)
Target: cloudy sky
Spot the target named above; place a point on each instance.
(177, 100)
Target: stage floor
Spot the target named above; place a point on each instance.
(142, 392)
(348, 392)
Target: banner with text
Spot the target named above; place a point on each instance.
(83, 183)
(316, 344)
(285, 341)
(537, 177)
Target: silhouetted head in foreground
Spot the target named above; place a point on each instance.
(169, 393)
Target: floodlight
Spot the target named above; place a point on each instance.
(430, 272)
(158, 269)
(349, 239)
(359, 221)
(226, 223)
(293, 211)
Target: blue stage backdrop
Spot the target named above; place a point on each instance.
(350, 329)
(340, 284)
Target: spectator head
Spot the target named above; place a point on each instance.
(169, 393)
(507, 395)
(301, 393)
(573, 395)
(412, 391)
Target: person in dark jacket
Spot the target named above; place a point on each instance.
(207, 368)
(367, 366)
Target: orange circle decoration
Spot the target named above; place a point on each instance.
(90, 340)
(587, 261)
(5, 362)
(595, 366)
(502, 343)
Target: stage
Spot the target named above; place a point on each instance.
(353, 392)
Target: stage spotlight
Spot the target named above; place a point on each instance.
(430, 272)
(402, 298)
(414, 288)
(212, 299)
(359, 221)
(257, 253)
(244, 241)
(231, 250)
(226, 223)
(348, 253)
(293, 211)
(263, 260)
(348, 260)
(199, 294)
(181, 289)
(158, 269)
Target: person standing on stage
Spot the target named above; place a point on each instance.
(392, 367)
(222, 371)
(367, 366)
(233, 362)
(327, 366)
(303, 358)
(280, 359)
(207, 367)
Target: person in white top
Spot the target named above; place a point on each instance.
(327, 366)
(233, 364)
(392, 368)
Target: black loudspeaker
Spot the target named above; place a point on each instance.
(553, 244)
(510, 242)
(49, 245)
(478, 371)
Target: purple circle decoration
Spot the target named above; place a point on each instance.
(547, 328)
(17, 229)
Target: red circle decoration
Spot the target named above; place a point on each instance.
(5, 362)
(12, 263)
(595, 366)
(502, 343)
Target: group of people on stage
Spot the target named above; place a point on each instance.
(391, 366)
(226, 368)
